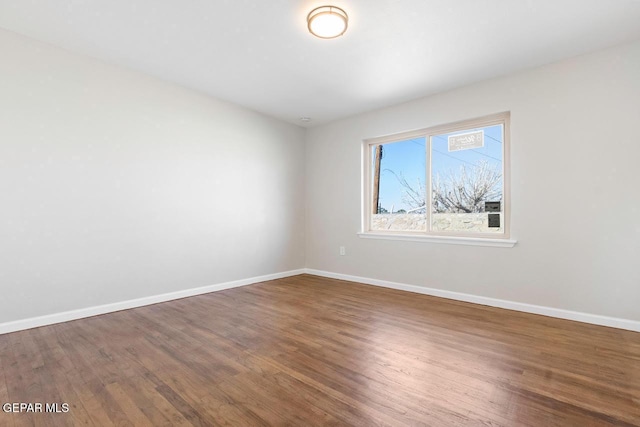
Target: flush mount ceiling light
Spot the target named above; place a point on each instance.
(327, 22)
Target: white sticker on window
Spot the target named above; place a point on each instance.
(466, 141)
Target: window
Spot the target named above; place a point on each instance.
(445, 181)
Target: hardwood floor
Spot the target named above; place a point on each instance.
(307, 351)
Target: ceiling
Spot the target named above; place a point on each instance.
(258, 53)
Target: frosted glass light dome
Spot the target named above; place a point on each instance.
(327, 22)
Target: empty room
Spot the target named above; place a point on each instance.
(309, 213)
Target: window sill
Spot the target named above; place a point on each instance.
(449, 240)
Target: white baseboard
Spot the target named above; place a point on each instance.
(66, 316)
(51, 319)
(595, 319)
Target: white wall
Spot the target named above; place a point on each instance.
(575, 190)
(115, 185)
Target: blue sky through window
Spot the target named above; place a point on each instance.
(408, 159)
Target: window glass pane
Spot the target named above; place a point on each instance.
(398, 185)
(467, 172)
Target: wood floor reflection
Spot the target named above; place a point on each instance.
(311, 351)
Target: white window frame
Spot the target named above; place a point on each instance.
(475, 239)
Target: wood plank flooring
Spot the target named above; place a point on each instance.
(311, 351)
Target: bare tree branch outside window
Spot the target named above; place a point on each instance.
(464, 191)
